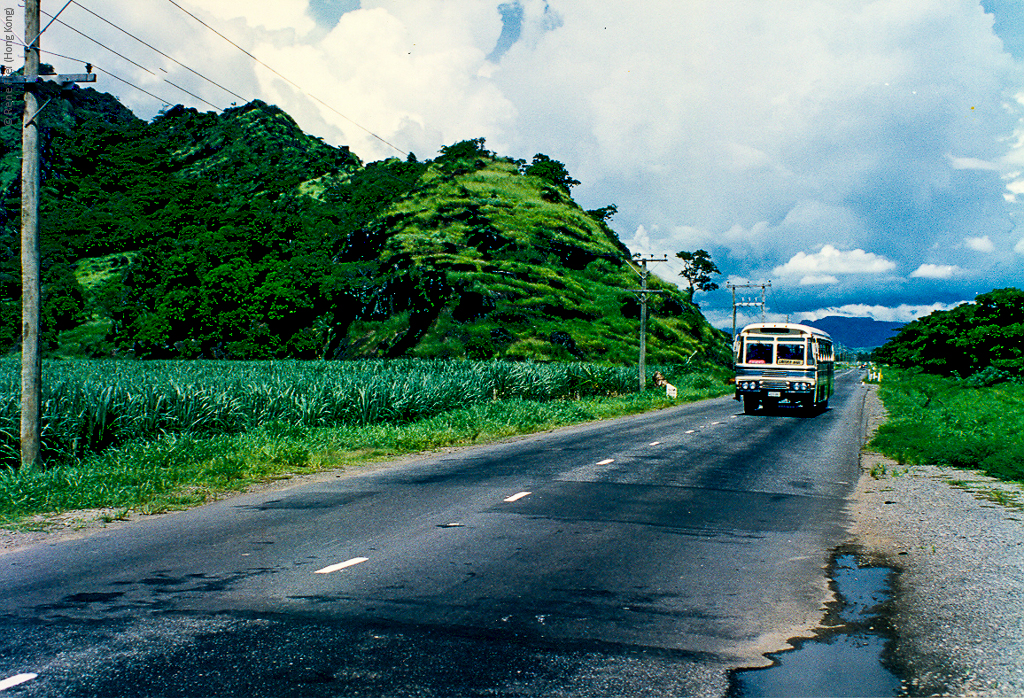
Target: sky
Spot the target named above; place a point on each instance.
(865, 157)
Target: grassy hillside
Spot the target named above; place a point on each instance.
(236, 235)
(532, 275)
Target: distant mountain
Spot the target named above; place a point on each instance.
(858, 332)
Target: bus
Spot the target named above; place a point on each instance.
(783, 362)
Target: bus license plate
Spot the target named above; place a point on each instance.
(774, 393)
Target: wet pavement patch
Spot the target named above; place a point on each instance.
(848, 656)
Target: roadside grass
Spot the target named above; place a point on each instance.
(941, 421)
(175, 471)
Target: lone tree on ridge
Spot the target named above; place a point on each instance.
(697, 270)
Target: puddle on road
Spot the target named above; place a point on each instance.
(846, 659)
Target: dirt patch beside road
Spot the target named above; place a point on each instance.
(957, 539)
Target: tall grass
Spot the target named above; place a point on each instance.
(172, 468)
(941, 421)
(90, 406)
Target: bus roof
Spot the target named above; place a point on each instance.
(784, 328)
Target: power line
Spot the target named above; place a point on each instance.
(154, 48)
(107, 72)
(137, 65)
(290, 82)
(21, 42)
(52, 20)
(102, 45)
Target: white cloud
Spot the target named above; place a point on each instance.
(980, 244)
(272, 15)
(1013, 189)
(936, 271)
(818, 280)
(830, 260)
(413, 74)
(641, 241)
(971, 164)
(1019, 247)
(899, 313)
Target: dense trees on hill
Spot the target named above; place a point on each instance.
(236, 235)
(984, 339)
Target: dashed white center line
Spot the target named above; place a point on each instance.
(517, 497)
(606, 461)
(690, 432)
(655, 443)
(342, 565)
(16, 680)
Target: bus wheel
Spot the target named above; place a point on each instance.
(749, 404)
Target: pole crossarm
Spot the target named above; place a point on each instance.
(40, 79)
(741, 304)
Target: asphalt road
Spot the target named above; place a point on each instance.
(644, 556)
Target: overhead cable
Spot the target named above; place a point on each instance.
(290, 82)
(52, 20)
(107, 72)
(154, 48)
(137, 65)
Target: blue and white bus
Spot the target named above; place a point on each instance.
(783, 362)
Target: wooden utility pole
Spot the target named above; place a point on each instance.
(760, 303)
(643, 314)
(31, 285)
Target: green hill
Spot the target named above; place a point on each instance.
(236, 235)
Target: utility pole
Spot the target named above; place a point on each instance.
(643, 314)
(31, 286)
(755, 304)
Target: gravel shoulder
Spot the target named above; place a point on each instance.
(956, 538)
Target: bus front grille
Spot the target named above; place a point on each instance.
(774, 385)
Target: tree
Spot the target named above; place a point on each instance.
(697, 270)
(552, 171)
(464, 157)
(604, 214)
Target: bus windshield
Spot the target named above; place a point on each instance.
(760, 352)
